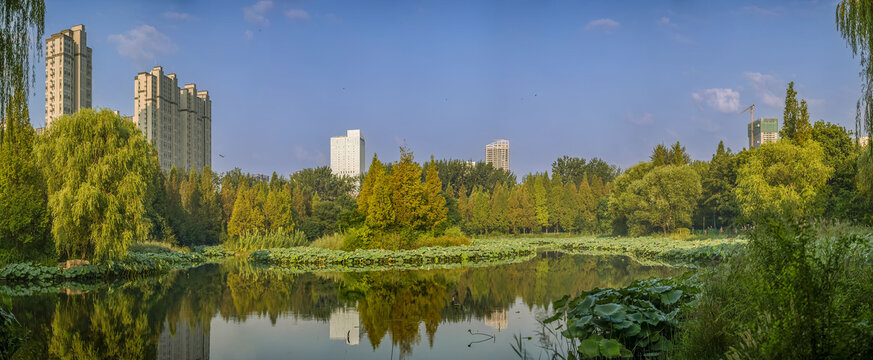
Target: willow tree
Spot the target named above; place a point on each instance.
(855, 21)
(21, 29)
(97, 168)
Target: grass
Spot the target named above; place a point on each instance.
(333, 241)
(253, 241)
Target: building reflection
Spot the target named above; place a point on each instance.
(345, 324)
(497, 320)
(186, 343)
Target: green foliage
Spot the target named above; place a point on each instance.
(795, 122)
(640, 320)
(462, 174)
(322, 182)
(718, 201)
(662, 198)
(97, 168)
(25, 219)
(573, 169)
(251, 240)
(795, 293)
(11, 333)
(21, 34)
(855, 21)
(333, 241)
(784, 178)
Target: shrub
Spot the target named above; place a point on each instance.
(333, 241)
(253, 240)
(156, 247)
(793, 294)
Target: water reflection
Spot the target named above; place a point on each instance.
(171, 317)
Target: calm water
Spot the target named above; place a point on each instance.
(236, 311)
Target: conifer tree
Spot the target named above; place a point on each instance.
(367, 185)
(434, 208)
(406, 190)
(541, 200)
(380, 207)
(500, 209)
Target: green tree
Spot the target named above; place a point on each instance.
(21, 30)
(248, 213)
(323, 182)
(668, 196)
(718, 201)
(97, 168)
(406, 190)
(782, 178)
(24, 223)
(840, 154)
(661, 156)
(278, 210)
(367, 186)
(380, 208)
(541, 201)
(500, 209)
(795, 120)
(433, 209)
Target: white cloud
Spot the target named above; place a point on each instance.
(667, 22)
(249, 34)
(172, 15)
(606, 25)
(763, 85)
(142, 44)
(297, 14)
(257, 13)
(644, 119)
(724, 100)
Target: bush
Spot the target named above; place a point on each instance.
(794, 293)
(156, 247)
(452, 237)
(681, 234)
(333, 241)
(253, 240)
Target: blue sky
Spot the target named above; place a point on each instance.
(606, 79)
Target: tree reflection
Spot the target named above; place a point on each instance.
(130, 319)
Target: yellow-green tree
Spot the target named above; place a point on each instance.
(247, 212)
(380, 208)
(24, 223)
(783, 178)
(434, 208)
(97, 168)
(406, 190)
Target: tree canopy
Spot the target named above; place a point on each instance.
(21, 31)
(97, 168)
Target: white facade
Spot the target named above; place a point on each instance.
(178, 122)
(347, 154)
(497, 154)
(67, 73)
(345, 324)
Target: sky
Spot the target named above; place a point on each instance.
(607, 79)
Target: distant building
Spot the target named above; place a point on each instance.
(39, 131)
(498, 320)
(67, 73)
(497, 154)
(347, 154)
(864, 141)
(761, 131)
(178, 122)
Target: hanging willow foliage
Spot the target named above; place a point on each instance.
(855, 21)
(21, 29)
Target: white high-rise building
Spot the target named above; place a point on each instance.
(67, 73)
(347, 154)
(178, 122)
(497, 154)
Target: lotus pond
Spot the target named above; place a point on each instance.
(240, 310)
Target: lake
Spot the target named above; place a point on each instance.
(235, 310)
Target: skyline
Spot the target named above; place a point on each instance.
(557, 78)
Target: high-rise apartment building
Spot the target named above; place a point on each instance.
(178, 122)
(347, 154)
(497, 154)
(67, 73)
(761, 131)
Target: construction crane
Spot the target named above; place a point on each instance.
(751, 110)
